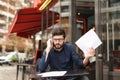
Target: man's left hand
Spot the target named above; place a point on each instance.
(91, 52)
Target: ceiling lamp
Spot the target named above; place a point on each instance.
(44, 5)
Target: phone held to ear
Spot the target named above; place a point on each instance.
(50, 43)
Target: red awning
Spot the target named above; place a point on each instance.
(28, 21)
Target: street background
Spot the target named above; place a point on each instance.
(8, 72)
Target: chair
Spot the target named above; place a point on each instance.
(116, 58)
(37, 57)
(35, 67)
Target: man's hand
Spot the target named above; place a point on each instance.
(91, 53)
(49, 46)
(49, 43)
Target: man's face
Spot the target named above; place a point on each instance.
(58, 41)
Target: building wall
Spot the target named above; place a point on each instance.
(8, 8)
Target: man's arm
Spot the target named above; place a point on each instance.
(91, 53)
(75, 57)
(43, 64)
(44, 60)
(49, 46)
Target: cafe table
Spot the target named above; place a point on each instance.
(23, 66)
(70, 73)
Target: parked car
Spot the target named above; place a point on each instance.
(7, 58)
(30, 60)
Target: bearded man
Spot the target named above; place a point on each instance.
(60, 55)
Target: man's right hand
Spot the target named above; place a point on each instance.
(49, 46)
(49, 43)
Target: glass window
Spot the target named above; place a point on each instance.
(110, 25)
(64, 9)
(114, 3)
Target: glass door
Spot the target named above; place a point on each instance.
(110, 34)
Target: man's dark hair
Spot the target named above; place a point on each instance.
(58, 31)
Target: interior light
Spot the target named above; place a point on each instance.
(78, 13)
(45, 4)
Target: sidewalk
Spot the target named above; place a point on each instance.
(8, 72)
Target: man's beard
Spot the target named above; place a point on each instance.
(58, 46)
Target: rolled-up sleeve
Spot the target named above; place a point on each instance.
(43, 64)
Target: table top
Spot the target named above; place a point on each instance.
(69, 73)
(23, 64)
(77, 73)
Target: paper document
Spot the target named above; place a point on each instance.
(89, 39)
(52, 73)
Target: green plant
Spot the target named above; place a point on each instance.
(14, 59)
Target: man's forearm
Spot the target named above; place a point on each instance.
(85, 61)
(43, 64)
(91, 53)
(47, 52)
(49, 46)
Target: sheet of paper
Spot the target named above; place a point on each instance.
(89, 39)
(52, 73)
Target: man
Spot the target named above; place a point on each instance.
(60, 55)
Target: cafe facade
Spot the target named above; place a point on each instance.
(79, 16)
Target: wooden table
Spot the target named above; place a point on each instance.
(70, 73)
(77, 73)
(23, 65)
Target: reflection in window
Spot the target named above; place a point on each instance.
(115, 15)
(114, 3)
(64, 9)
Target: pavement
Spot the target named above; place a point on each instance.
(8, 72)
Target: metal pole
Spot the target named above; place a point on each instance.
(42, 23)
(47, 21)
(99, 69)
(34, 45)
(60, 14)
(72, 21)
(53, 17)
(113, 36)
(99, 57)
(107, 26)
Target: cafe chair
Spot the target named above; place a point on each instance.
(37, 57)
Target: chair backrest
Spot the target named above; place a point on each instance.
(38, 54)
(116, 58)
